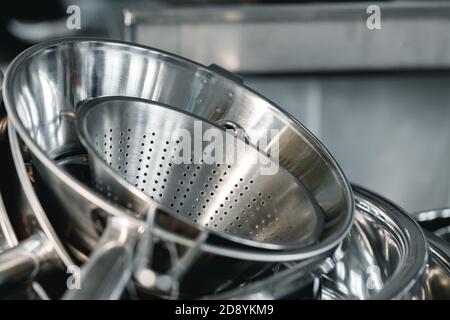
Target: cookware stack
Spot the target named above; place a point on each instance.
(112, 173)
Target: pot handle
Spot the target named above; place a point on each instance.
(25, 262)
(235, 129)
(109, 269)
(225, 73)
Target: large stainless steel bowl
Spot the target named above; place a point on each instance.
(47, 81)
(437, 283)
(387, 257)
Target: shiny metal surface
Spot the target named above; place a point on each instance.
(15, 273)
(109, 269)
(3, 127)
(232, 261)
(22, 264)
(41, 252)
(437, 282)
(384, 257)
(387, 257)
(132, 145)
(288, 280)
(226, 266)
(49, 79)
(3, 119)
(79, 169)
(436, 221)
(36, 217)
(7, 236)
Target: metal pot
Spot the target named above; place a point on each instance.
(8, 240)
(39, 250)
(437, 283)
(387, 257)
(13, 253)
(22, 262)
(48, 80)
(225, 265)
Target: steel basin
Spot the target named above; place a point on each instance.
(46, 81)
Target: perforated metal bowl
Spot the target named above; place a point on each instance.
(242, 195)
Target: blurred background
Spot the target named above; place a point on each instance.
(378, 98)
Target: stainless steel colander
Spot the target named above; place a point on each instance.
(51, 79)
(140, 149)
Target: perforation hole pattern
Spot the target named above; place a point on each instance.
(215, 196)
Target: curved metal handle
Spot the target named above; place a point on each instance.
(108, 271)
(22, 264)
(144, 249)
(170, 282)
(235, 129)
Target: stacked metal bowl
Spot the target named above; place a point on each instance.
(90, 124)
